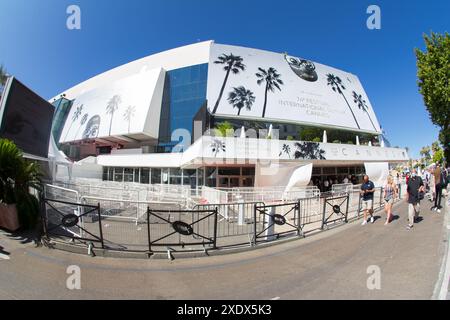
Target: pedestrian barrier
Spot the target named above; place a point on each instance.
(150, 226)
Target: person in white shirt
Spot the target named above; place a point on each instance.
(345, 180)
(326, 184)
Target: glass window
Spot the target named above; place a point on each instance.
(118, 174)
(248, 171)
(190, 178)
(111, 174)
(211, 176)
(230, 171)
(105, 173)
(329, 170)
(175, 176)
(165, 175)
(200, 176)
(136, 175)
(145, 175)
(342, 170)
(128, 175)
(156, 176)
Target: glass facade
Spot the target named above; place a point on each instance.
(62, 109)
(184, 94)
(223, 177)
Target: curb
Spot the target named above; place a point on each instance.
(442, 287)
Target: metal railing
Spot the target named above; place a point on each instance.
(144, 226)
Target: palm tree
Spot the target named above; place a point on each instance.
(358, 99)
(272, 79)
(75, 117)
(111, 107)
(129, 113)
(231, 63)
(240, 98)
(82, 122)
(336, 84)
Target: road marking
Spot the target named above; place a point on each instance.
(4, 256)
(276, 298)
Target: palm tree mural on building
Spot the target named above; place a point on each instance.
(241, 98)
(111, 108)
(358, 99)
(83, 120)
(285, 149)
(217, 146)
(309, 150)
(336, 84)
(75, 116)
(129, 113)
(272, 79)
(232, 64)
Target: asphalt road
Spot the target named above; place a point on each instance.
(330, 265)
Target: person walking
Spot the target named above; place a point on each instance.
(390, 194)
(438, 188)
(414, 189)
(367, 191)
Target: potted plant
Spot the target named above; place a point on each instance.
(18, 208)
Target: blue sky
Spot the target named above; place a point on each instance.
(37, 47)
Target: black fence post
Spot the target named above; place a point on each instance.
(346, 207)
(100, 226)
(148, 231)
(43, 215)
(381, 197)
(254, 224)
(215, 228)
(323, 213)
(299, 223)
(359, 204)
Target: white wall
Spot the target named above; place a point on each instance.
(192, 54)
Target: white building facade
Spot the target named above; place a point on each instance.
(163, 119)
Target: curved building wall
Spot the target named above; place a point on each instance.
(246, 83)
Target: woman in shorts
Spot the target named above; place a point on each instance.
(390, 193)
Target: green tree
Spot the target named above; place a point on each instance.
(433, 73)
(17, 176)
(240, 98)
(425, 153)
(232, 64)
(272, 79)
(223, 129)
(438, 156)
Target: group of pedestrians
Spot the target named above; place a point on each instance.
(415, 192)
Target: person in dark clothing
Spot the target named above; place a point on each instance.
(438, 187)
(413, 189)
(367, 190)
